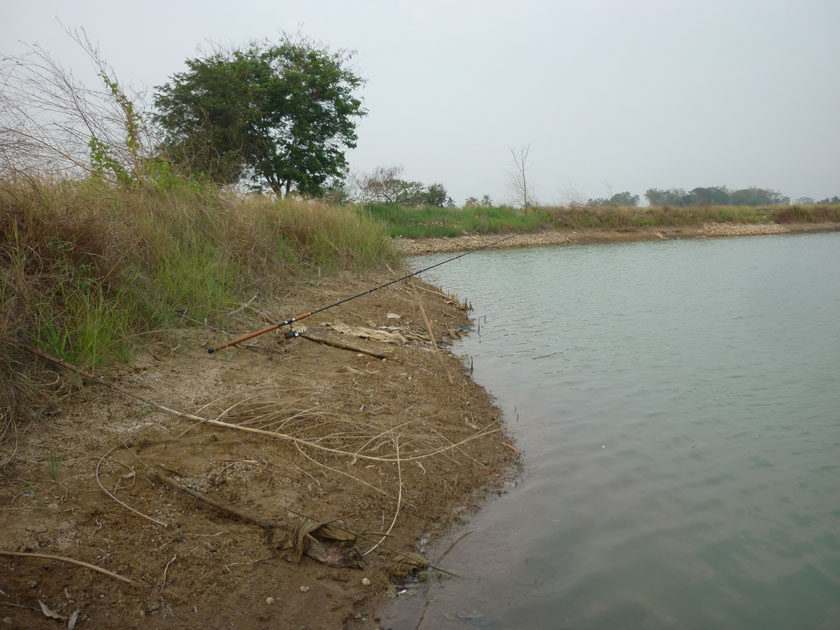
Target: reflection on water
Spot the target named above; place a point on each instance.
(678, 407)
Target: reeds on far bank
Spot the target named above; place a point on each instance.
(579, 217)
(445, 222)
(85, 267)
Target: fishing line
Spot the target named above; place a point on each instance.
(292, 333)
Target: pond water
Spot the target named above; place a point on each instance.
(678, 408)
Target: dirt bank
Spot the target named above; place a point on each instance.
(563, 237)
(391, 449)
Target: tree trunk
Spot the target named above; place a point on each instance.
(276, 188)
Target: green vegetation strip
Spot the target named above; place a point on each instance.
(430, 222)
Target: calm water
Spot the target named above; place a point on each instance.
(678, 407)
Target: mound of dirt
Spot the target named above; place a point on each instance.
(281, 483)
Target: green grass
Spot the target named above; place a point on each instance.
(85, 268)
(440, 222)
(54, 462)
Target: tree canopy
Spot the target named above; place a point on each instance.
(277, 115)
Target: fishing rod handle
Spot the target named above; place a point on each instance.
(289, 321)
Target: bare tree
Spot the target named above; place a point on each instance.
(384, 184)
(519, 177)
(52, 123)
(572, 197)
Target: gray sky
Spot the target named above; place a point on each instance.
(612, 95)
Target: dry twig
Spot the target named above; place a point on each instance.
(163, 582)
(327, 341)
(216, 504)
(431, 333)
(79, 563)
(125, 505)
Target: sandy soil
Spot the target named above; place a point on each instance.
(403, 446)
(563, 237)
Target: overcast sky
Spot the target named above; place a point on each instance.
(612, 95)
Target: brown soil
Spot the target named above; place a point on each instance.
(204, 567)
(564, 237)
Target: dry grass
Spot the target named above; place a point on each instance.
(85, 268)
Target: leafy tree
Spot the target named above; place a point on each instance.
(411, 193)
(277, 115)
(385, 185)
(672, 197)
(436, 195)
(624, 199)
(758, 197)
(711, 196)
(618, 199)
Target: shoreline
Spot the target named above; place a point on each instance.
(417, 247)
(431, 447)
(208, 569)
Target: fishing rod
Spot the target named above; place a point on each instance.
(293, 333)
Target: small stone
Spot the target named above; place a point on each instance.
(269, 600)
(365, 581)
(53, 507)
(304, 589)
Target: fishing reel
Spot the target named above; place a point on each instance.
(292, 333)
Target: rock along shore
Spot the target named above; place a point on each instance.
(415, 247)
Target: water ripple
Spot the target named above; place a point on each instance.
(677, 404)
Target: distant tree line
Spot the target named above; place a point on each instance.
(810, 200)
(716, 196)
(705, 196)
(615, 201)
(708, 196)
